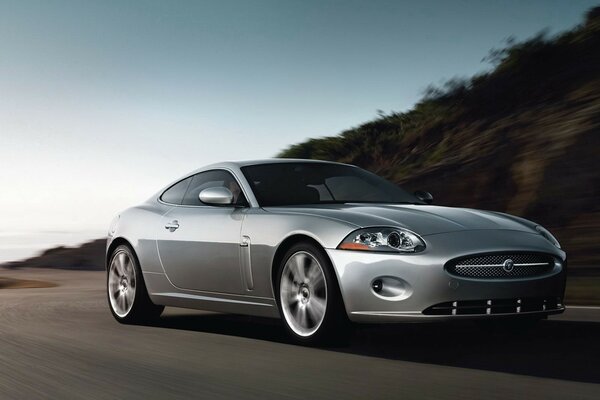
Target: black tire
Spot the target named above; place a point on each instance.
(335, 327)
(142, 309)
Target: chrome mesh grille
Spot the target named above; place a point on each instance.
(493, 266)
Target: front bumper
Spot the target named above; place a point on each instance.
(420, 282)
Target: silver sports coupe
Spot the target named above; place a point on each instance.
(321, 244)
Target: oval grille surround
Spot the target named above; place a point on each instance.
(492, 266)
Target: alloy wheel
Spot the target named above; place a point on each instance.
(303, 293)
(121, 283)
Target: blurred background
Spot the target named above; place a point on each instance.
(492, 105)
(486, 104)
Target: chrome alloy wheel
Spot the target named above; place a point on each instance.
(303, 293)
(121, 283)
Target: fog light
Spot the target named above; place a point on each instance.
(391, 288)
(377, 285)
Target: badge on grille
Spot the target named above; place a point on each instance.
(508, 265)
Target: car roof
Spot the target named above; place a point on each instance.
(246, 163)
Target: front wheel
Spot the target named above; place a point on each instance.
(127, 295)
(309, 298)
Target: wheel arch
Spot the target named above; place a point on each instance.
(116, 243)
(285, 245)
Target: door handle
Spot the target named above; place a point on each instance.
(245, 241)
(172, 226)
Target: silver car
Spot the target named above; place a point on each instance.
(321, 244)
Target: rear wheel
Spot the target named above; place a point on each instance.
(127, 295)
(308, 296)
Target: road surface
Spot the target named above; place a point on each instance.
(62, 343)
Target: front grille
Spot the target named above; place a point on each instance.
(493, 266)
(496, 306)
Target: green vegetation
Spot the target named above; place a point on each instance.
(527, 74)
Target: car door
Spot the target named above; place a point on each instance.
(199, 244)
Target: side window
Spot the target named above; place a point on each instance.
(209, 179)
(174, 194)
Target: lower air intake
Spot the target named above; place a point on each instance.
(495, 306)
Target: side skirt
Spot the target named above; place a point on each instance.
(162, 292)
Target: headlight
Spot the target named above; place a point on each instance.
(393, 240)
(545, 233)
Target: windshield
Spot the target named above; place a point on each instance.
(283, 184)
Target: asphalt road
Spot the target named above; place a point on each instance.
(62, 343)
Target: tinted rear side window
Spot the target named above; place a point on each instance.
(174, 194)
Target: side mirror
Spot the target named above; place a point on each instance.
(424, 196)
(218, 196)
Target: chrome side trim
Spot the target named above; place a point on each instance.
(246, 262)
(207, 298)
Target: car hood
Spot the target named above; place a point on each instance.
(421, 219)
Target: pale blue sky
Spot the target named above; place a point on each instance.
(102, 103)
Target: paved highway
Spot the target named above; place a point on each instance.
(62, 343)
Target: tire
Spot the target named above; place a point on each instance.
(308, 297)
(128, 298)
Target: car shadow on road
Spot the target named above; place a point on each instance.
(556, 349)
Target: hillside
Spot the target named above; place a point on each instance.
(523, 138)
(88, 256)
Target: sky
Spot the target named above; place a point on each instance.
(102, 103)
